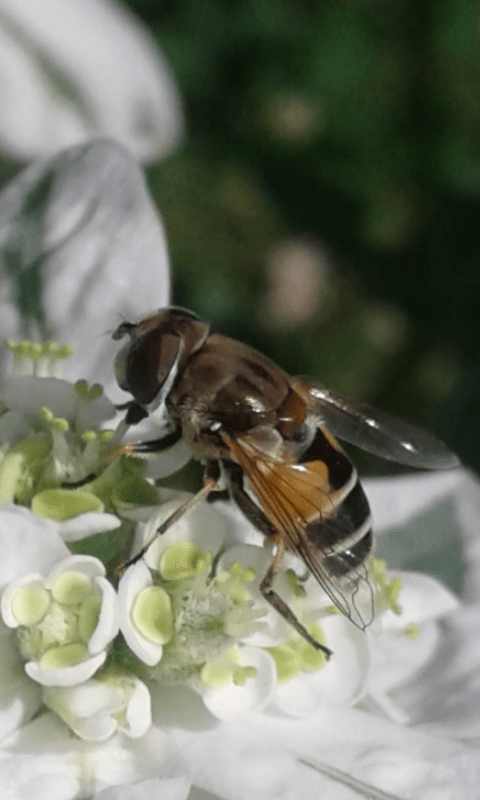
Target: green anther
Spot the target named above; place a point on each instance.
(152, 614)
(30, 603)
(89, 436)
(63, 504)
(87, 392)
(392, 591)
(65, 656)
(46, 415)
(105, 436)
(59, 424)
(236, 569)
(71, 588)
(89, 616)
(378, 567)
(241, 675)
(64, 351)
(332, 610)
(214, 675)
(49, 349)
(412, 631)
(239, 591)
(294, 583)
(287, 661)
(34, 350)
(81, 388)
(182, 560)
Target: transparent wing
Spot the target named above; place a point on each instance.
(376, 431)
(289, 498)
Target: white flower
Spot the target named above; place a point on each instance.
(71, 70)
(99, 707)
(65, 621)
(83, 223)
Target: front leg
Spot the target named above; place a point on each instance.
(210, 483)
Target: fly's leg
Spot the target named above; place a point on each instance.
(209, 485)
(276, 601)
(256, 516)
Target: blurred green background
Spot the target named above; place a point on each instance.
(325, 204)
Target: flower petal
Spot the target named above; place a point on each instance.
(74, 70)
(85, 525)
(233, 701)
(83, 228)
(136, 578)
(202, 525)
(65, 676)
(27, 542)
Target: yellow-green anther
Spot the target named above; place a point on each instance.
(332, 610)
(214, 675)
(241, 675)
(105, 436)
(236, 569)
(64, 351)
(378, 568)
(30, 603)
(152, 614)
(392, 591)
(249, 574)
(63, 504)
(294, 583)
(46, 415)
(71, 588)
(64, 656)
(89, 436)
(412, 631)
(183, 560)
(59, 424)
(88, 617)
(287, 662)
(34, 350)
(87, 392)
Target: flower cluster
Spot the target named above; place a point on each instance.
(190, 614)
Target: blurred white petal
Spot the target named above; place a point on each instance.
(27, 542)
(82, 230)
(71, 70)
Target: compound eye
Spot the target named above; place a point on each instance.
(144, 367)
(119, 366)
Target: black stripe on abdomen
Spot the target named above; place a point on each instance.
(340, 468)
(345, 537)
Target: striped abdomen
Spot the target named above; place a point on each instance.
(342, 531)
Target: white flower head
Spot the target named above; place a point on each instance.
(101, 706)
(64, 621)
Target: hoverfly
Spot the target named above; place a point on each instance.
(270, 438)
